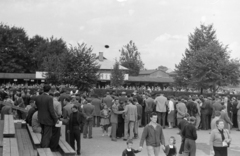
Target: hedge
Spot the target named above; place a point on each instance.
(102, 93)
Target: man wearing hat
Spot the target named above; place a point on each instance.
(189, 133)
(181, 126)
(67, 110)
(205, 113)
(88, 112)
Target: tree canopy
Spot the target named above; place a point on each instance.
(77, 67)
(206, 63)
(13, 49)
(162, 68)
(117, 75)
(20, 54)
(131, 58)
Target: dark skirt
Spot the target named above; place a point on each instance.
(220, 151)
(171, 116)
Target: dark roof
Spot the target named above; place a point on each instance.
(147, 72)
(150, 79)
(172, 73)
(17, 76)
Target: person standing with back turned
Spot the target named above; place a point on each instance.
(46, 115)
(161, 109)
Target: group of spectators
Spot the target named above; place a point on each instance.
(170, 89)
(45, 111)
(124, 113)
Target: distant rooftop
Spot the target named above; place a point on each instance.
(105, 63)
(147, 72)
(151, 79)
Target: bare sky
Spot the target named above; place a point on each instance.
(160, 28)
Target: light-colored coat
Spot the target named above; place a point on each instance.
(131, 113)
(114, 115)
(226, 119)
(108, 100)
(238, 107)
(181, 110)
(161, 103)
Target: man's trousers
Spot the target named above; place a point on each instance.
(75, 135)
(189, 147)
(46, 135)
(161, 118)
(56, 133)
(88, 128)
(128, 125)
(114, 130)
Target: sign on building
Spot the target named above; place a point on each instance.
(41, 75)
(107, 76)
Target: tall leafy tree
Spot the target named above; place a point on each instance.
(77, 66)
(14, 55)
(42, 48)
(53, 65)
(206, 63)
(211, 67)
(199, 39)
(117, 75)
(162, 68)
(131, 58)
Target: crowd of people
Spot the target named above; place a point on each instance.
(172, 89)
(47, 109)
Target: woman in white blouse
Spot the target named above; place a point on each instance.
(171, 113)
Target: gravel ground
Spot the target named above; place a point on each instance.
(103, 146)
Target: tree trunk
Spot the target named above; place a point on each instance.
(201, 90)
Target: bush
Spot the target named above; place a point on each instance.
(102, 93)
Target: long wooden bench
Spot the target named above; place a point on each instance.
(35, 137)
(1, 133)
(66, 149)
(25, 145)
(44, 152)
(10, 147)
(9, 129)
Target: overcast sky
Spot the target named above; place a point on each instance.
(160, 28)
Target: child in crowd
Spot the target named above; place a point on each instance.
(129, 151)
(171, 150)
(105, 114)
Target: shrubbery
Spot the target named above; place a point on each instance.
(102, 93)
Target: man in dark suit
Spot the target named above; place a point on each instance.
(88, 111)
(217, 106)
(46, 115)
(96, 102)
(108, 100)
(205, 113)
(75, 122)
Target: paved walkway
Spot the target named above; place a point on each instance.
(103, 146)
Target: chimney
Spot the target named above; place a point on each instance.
(100, 57)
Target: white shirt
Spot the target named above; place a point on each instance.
(170, 105)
